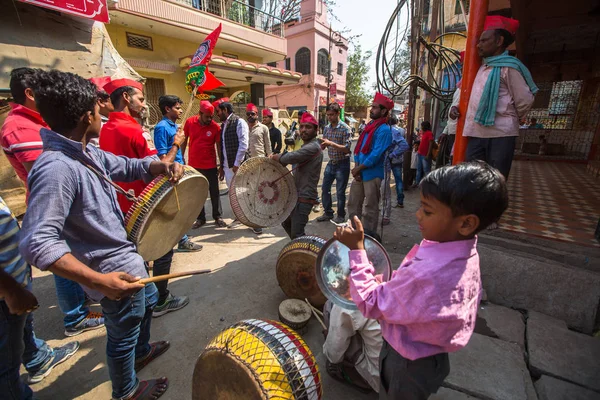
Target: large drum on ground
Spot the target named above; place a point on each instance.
(263, 193)
(163, 213)
(256, 360)
(296, 269)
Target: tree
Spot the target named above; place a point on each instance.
(287, 9)
(356, 78)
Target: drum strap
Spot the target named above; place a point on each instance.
(296, 167)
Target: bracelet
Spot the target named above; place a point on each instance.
(178, 146)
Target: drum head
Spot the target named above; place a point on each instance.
(294, 313)
(333, 269)
(262, 194)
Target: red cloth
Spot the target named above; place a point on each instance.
(101, 82)
(426, 138)
(202, 140)
(219, 101)
(20, 138)
(498, 22)
(383, 101)
(123, 136)
(267, 113)
(307, 118)
(119, 83)
(251, 108)
(369, 131)
(206, 107)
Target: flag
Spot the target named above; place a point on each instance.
(198, 74)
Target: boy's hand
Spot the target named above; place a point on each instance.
(20, 301)
(221, 173)
(352, 238)
(176, 172)
(179, 137)
(117, 285)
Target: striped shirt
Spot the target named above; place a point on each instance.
(341, 134)
(10, 259)
(20, 138)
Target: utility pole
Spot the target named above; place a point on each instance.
(433, 32)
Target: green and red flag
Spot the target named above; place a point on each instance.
(198, 77)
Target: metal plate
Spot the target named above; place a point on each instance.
(333, 269)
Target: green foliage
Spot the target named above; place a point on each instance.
(356, 78)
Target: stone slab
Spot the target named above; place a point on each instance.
(450, 394)
(502, 323)
(569, 294)
(549, 388)
(490, 369)
(556, 351)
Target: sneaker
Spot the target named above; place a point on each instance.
(317, 208)
(324, 218)
(172, 303)
(339, 220)
(59, 355)
(189, 246)
(257, 231)
(91, 321)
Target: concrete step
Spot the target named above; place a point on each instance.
(549, 388)
(502, 323)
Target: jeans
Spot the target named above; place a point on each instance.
(19, 344)
(212, 175)
(497, 152)
(183, 240)
(294, 224)
(397, 171)
(423, 167)
(128, 337)
(387, 191)
(162, 266)
(339, 172)
(70, 300)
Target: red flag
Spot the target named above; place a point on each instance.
(204, 52)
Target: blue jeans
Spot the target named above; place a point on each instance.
(70, 300)
(19, 344)
(128, 335)
(339, 172)
(184, 239)
(397, 171)
(423, 167)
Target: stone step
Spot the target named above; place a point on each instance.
(549, 388)
(449, 394)
(556, 351)
(502, 323)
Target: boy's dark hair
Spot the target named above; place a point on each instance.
(226, 106)
(508, 37)
(426, 125)
(335, 107)
(117, 96)
(168, 101)
(62, 98)
(21, 79)
(393, 120)
(469, 188)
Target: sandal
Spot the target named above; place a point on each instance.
(151, 389)
(336, 371)
(220, 223)
(198, 224)
(156, 349)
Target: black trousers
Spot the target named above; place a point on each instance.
(404, 379)
(212, 175)
(162, 266)
(498, 152)
(294, 224)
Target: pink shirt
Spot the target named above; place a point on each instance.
(430, 303)
(514, 101)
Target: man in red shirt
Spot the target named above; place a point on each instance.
(204, 138)
(424, 154)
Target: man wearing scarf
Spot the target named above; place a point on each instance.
(368, 171)
(502, 94)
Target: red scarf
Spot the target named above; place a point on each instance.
(369, 130)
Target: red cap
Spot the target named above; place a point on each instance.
(206, 107)
(267, 113)
(251, 108)
(384, 101)
(498, 22)
(119, 83)
(462, 56)
(307, 118)
(216, 103)
(100, 82)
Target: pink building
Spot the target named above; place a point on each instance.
(309, 41)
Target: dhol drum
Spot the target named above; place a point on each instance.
(263, 193)
(294, 313)
(164, 212)
(296, 272)
(256, 360)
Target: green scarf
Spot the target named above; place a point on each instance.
(486, 112)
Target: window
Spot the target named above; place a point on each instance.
(288, 63)
(340, 69)
(303, 61)
(139, 41)
(341, 51)
(458, 9)
(272, 64)
(322, 62)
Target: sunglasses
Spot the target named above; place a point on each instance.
(250, 114)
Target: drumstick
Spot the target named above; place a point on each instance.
(177, 198)
(316, 315)
(159, 278)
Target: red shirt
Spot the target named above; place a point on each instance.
(123, 136)
(20, 138)
(202, 140)
(426, 138)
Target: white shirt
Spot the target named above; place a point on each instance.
(242, 133)
(452, 123)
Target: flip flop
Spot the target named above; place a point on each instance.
(151, 389)
(156, 349)
(220, 223)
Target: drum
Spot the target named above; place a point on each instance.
(256, 360)
(296, 272)
(163, 213)
(263, 193)
(294, 313)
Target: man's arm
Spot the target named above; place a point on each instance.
(519, 91)
(18, 299)
(301, 155)
(339, 335)
(381, 142)
(267, 141)
(124, 169)
(278, 144)
(243, 136)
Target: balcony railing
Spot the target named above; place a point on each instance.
(240, 12)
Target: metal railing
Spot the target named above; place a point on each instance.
(240, 12)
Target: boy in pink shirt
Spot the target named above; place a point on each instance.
(428, 307)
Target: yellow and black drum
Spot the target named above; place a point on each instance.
(164, 212)
(296, 269)
(256, 360)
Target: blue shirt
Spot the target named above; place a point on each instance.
(164, 136)
(72, 210)
(399, 146)
(10, 260)
(374, 160)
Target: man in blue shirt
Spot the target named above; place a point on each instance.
(368, 171)
(393, 164)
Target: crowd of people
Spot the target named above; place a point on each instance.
(82, 153)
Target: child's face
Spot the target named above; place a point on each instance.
(437, 223)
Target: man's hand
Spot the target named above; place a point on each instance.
(352, 238)
(221, 173)
(173, 170)
(117, 285)
(235, 169)
(20, 300)
(454, 113)
(179, 137)
(356, 172)
(325, 143)
(275, 157)
(176, 171)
